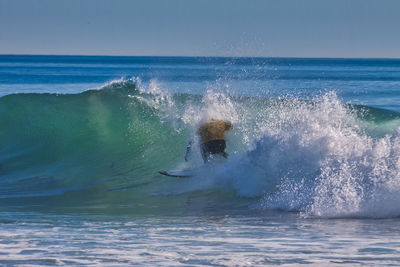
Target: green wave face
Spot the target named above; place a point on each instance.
(96, 141)
(102, 149)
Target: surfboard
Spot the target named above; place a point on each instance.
(185, 173)
(177, 173)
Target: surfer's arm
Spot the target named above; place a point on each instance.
(188, 148)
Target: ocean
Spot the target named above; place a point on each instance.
(312, 178)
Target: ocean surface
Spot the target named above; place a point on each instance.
(313, 176)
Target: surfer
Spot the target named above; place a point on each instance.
(212, 136)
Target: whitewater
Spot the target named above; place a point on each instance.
(313, 175)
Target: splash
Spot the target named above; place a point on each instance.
(317, 157)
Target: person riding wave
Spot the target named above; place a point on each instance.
(212, 134)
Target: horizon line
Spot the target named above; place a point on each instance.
(193, 56)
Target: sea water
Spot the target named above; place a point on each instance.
(313, 175)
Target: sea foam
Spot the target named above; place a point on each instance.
(318, 158)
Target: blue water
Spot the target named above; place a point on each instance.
(372, 82)
(313, 175)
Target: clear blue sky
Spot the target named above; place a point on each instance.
(282, 28)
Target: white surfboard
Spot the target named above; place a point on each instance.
(214, 161)
(178, 173)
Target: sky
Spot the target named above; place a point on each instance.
(261, 28)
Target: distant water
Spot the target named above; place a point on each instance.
(313, 175)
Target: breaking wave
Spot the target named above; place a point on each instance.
(317, 156)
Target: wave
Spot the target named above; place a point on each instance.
(104, 147)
